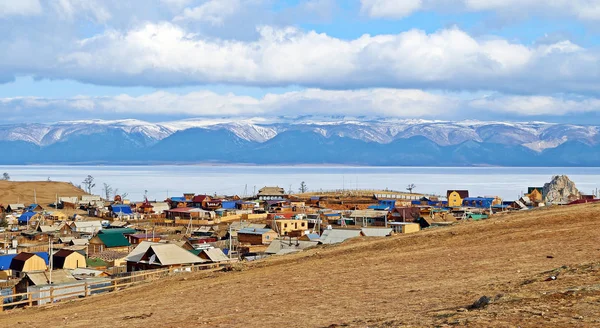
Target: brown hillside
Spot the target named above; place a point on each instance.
(421, 280)
(22, 191)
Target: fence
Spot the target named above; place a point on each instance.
(50, 294)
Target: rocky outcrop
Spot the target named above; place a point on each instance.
(560, 190)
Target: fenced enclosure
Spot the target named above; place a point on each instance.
(48, 294)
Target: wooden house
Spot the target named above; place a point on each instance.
(28, 262)
(456, 197)
(291, 227)
(68, 259)
(256, 236)
(535, 194)
(200, 201)
(11, 208)
(108, 241)
(271, 193)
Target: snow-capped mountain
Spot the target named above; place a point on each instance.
(136, 140)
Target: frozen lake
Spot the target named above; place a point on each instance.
(163, 181)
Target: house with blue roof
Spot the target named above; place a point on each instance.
(121, 210)
(26, 217)
(481, 202)
(34, 208)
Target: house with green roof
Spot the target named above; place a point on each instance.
(109, 241)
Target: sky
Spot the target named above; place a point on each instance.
(163, 60)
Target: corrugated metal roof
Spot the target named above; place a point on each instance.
(215, 255)
(279, 246)
(136, 254)
(334, 236)
(251, 231)
(113, 240)
(376, 232)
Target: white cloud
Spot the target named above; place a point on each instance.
(537, 105)
(166, 54)
(382, 102)
(581, 9)
(398, 103)
(90, 9)
(211, 11)
(390, 8)
(20, 8)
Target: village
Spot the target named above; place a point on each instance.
(82, 245)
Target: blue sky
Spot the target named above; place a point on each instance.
(162, 60)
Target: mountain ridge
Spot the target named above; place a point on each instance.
(306, 140)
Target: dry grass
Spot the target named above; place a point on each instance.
(420, 280)
(12, 192)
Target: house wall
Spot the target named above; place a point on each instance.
(250, 239)
(74, 261)
(286, 226)
(410, 228)
(35, 263)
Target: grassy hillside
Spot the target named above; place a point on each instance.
(22, 192)
(425, 279)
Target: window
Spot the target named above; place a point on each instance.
(268, 237)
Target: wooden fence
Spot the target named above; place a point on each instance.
(85, 288)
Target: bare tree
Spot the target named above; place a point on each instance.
(124, 195)
(303, 187)
(410, 187)
(5, 176)
(88, 183)
(108, 190)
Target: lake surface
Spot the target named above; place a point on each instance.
(163, 181)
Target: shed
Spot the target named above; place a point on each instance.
(28, 262)
(68, 259)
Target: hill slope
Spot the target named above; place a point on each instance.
(22, 191)
(424, 279)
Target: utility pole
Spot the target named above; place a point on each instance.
(50, 260)
(229, 241)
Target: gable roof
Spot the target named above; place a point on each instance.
(136, 254)
(25, 217)
(58, 277)
(170, 254)
(462, 193)
(271, 191)
(215, 255)
(200, 198)
(124, 209)
(113, 239)
(334, 236)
